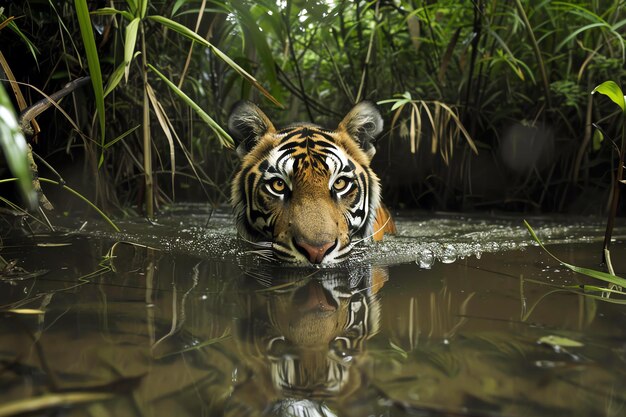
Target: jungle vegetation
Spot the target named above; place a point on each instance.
(487, 103)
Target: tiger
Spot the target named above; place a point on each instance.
(307, 192)
(302, 343)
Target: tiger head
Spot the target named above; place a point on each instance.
(307, 192)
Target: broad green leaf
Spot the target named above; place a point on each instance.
(15, 149)
(86, 31)
(129, 44)
(224, 137)
(612, 91)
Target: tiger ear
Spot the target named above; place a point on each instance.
(247, 124)
(363, 123)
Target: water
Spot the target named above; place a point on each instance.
(452, 317)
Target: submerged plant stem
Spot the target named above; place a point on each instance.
(617, 184)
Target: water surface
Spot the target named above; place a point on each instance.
(454, 316)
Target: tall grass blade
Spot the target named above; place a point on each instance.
(603, 276)
(86, 200)
(115, 78)
(11, 25)
(86, 31)
(120, 137)
(224, 137)
(162, 119)
(188, 33)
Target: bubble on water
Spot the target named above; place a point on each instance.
(449, 254)
(426, 259)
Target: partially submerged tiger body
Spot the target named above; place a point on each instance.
(308, 192)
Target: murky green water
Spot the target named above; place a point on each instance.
(455, 316)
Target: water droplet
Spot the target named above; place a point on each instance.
(449, 254)
(426, 259)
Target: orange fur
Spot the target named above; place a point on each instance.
(383, 224)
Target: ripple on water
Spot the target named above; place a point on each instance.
(422, 238)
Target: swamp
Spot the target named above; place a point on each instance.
(130, 284)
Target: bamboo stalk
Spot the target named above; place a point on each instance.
(147, 143)
(537, 51)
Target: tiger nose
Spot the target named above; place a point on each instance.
(314, 252)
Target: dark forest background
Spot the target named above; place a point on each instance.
(487, 104)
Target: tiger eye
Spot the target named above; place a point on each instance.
(340, 184)
(277, 185)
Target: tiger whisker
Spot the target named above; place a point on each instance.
(266, 254)
(262, 244)
(373, 233)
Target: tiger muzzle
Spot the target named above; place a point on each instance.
(314, 252)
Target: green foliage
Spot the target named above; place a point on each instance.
(470, 70)
(612, 91)
(86, 31)
(15, 149)
(592, 273)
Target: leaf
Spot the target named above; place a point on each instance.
(224, 137)
(185, 31)
(598, 138)
(120, 137)
(86, 31)
(79, 195)
(115, 78)
(129, 45)
(109, 11)
(603, 276)
(15, 149)
(142, 7)
(558, 341)
(260, 45)
(612, 91)
(578, 31)
(24, 311)
(31, 46)
(162, 119)
(50, 401)
(399, 103)
(178, 5)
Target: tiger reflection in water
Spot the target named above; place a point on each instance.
(301, 342)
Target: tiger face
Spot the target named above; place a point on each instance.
(307, 192)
